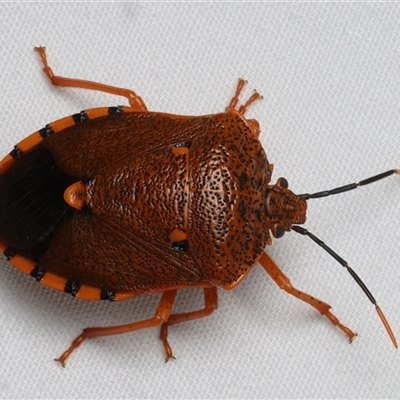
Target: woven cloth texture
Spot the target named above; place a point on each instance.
(330, 77)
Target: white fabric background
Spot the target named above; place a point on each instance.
(330, 76)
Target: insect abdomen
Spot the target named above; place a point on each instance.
(31, 202)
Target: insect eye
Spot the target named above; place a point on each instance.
(278, 231)
(283, 183)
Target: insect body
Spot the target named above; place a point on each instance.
(111, 203)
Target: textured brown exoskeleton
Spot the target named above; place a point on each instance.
(115, 202)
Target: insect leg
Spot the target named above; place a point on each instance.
(235, 98)
(255, 96)
(284, 283)
(255, 127)
(161, 316)
(210, 304)
(354, 275)
(134, 100)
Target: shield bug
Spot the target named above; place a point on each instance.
(115, 202)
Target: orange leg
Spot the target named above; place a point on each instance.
(210, 304)
(161, 316)
(255, 127)
(134, 100)
(284, 283)
(235, 99)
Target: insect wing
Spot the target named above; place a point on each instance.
(96, 251)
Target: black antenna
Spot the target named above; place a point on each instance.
(351, 186)
(336, 256)
(339, 259)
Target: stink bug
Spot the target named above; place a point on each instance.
(115, 202)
